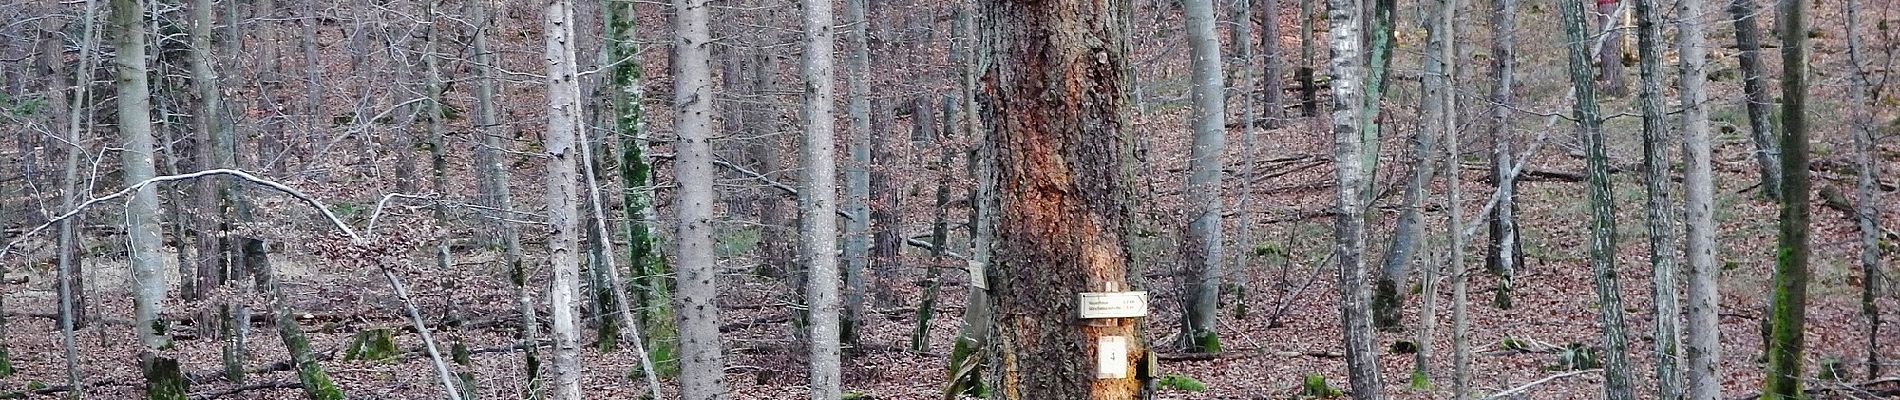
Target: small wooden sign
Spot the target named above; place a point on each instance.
(977, 278)
(1111, 357)
(1093, 305)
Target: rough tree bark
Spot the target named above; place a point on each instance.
(1349, 235)
(701, 364)
(1201, 249)
(563, 193)
(1755, 95)
(650, 268)
(1270, 67)
(1659, 209)
(818, 200)
(1789, 303)
(1616, 365)
(1703, 350)
(1610, 56)
(1058, 86)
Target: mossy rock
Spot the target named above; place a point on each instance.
(1181, 382)
(372, 345)
(1314, 386)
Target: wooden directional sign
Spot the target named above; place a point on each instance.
(1093, 305)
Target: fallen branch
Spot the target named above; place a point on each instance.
(1515, 390)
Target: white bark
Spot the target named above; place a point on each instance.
(563, 195)
(1209, 123)
(818, 227)
(1349, 230)
(701, 362)
(1703, 327)
(135, 130)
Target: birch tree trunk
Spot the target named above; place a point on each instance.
(1659, 209)
(1703, 350)
(701, 363)
(563, 194)
(1349, 154)
(1755, 94)
(1788, 308)
(1201, 250)
(1866, 210)
(162, 377)
(1061, 194)
(1616, 366)
(818, 200)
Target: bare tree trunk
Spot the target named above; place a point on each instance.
(1610, 56)
(1270, 73)
(1504, 252)
(857, 242)
(1437, 114)
(497, 174)
(940, 217)
(1201, 249)
(1789, 303)
(1616, 366)
(1664, 305)
(967, 356)
(701, 362)
(1309, 91)
(649, 265)
(70, 287)
(1349, 155)
(1060, 229)
(818, 227)
(1866, 210)
(1755, 92)
(563, 194)
(1703, 350)
(163, 379)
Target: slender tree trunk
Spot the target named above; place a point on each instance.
(1380, 31)
(1866, 210)
(1504, 252)
(818, 227)
(701, 363)
(1610, 56)
(1309, 90)
(310, 374)
(563, 193)
(1788, 308)
(1755, 92)
(163, 379)
(1201, 250)
(939, 225)
(649, 266)
(1349, 154)
(857, 242)
(70, 287)
(1664, 305)
(1387, 298)
(1616, 366)
(487, 122)
(1270, 89)
(967, 358)
(1703, 350)
(1060, 227)
(1454, 202)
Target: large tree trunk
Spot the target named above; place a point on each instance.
(648, 264)
(1349, 235)
(1659, 209)
(563, 193)
(163, 379)
(1789, 303)
(1866, 206)
(1755, 94)
(1610, 56)
(1703, 350)
(1058, 89)
(701, 363)
(1616, 365)
(818, 190)
(1201, 249)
